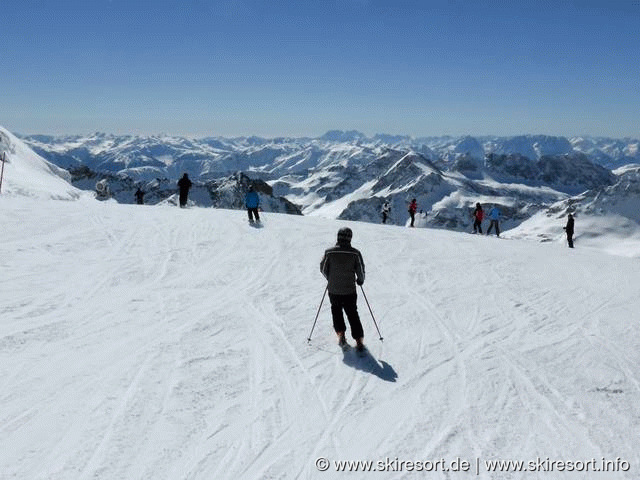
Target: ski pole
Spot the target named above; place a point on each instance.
(2, 173)
(374, 318)
(318, 313)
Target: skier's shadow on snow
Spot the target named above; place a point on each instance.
(367, 363)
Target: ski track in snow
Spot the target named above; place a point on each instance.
(156, 342)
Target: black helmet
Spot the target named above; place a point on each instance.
(344, 235)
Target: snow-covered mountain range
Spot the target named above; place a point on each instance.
(140, 156)
(349, 175)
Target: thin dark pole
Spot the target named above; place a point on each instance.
(318, 313)
(374, 318)
(2, 172)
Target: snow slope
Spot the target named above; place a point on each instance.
(610, 233)
(607, 219)
(27, 173)
(154, 342)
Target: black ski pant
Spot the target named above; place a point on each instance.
(251, 212)
(413, 217)
(491, 225)
(477, 226)
(183, 198)
(570, 239)
(348, 303)
(384, 217)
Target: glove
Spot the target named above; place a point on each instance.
(360, 282)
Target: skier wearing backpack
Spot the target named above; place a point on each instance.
(478, 215)
(252, 202)
(343, 267)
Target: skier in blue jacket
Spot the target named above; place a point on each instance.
(252, 202)
(494, 217)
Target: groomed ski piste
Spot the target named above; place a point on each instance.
(157, 342)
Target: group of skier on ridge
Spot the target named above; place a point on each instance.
(252, 199)
(478, 215)
(252, 203)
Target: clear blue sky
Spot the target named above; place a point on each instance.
(276, 68)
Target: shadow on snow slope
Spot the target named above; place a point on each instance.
(367, 363)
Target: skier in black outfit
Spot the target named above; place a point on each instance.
(184, 184)
(343, 267)
(569, 230)
(139, 196)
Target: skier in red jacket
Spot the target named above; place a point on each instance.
(478, 215)
(413, 207)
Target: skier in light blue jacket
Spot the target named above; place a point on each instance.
(252, 202)
(494, 217)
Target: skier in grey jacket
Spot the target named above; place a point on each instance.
(343, 267)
